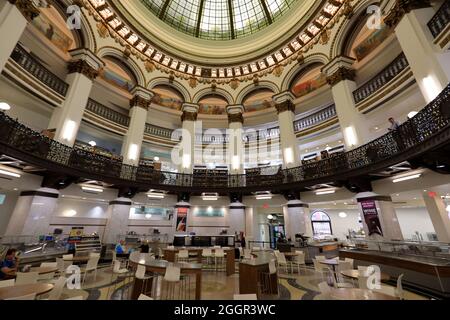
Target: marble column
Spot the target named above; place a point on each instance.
(188, 119)
(33, 213)
(235, 153)
(297, 219)
(341, 78)
(132, 143)
(14, 15)
(378, 212)
(237, 217)
(429, 64)
(438, 215)
(118, 215)
(66, 119)
(284, 103)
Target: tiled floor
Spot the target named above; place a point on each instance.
(215, 286)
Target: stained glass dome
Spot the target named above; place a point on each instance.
(219, 19)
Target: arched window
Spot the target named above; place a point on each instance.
(321, 223)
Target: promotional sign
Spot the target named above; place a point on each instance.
(75, 234)
(209, 212)
(370, 213)
(181, 219)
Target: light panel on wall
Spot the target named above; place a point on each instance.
(350, 136)
(210, 196)
(10, 172)
(432, 88)
(323, 192)
(264, 195)
(408, 177)
(288, 155)
(92, 189)
(153, 194)
(133, 152)
(186, 161)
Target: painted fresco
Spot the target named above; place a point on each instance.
(369, 44)
(52, 32)
(308, 86)
(205, 108)
(259, 105)
(116, 79)
(166, 101)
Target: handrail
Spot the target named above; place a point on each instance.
(315, 118)
(381, 79)
(412, 137)
(29, 63)
(440, 20)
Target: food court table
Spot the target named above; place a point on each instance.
(24, 289)
(359, 294)
(159, 266)
(355, 274)
(170, 255)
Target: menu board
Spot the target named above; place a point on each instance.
(370, 213)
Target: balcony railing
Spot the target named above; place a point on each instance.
(107, 113)
(429, 129)
(159, 131)
(315, 118)
(440, 20)
(381, 79)
(30, 64)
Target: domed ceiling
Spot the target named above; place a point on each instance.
(219, 19)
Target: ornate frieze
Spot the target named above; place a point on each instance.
(27, 8)
(341, 74)
(403, 7)
(81, 66)
(235, 117)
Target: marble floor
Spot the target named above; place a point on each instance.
(215, 286)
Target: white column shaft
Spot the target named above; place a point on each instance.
(236, 148)
(439, 216)
(118, 216)
(288, 140)
(132, 144)
(188, 146)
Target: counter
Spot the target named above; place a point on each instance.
(250, 273)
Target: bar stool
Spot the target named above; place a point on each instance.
(171, 278)
(122, 274)
(219, 254)
(141, 275)
(207, 253)
(267, 285)
(183, 256)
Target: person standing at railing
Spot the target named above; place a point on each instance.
(396, 134)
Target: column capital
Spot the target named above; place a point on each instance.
(339, 69)
(27, 8)
(190, 111)
(403, 7)
(86, 62)
(284, 102)
(235, 113)
(141, 97)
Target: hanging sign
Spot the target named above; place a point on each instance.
(370, 213)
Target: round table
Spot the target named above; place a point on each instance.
(44, 270)
(24, 289)
(355, 274)
(359, 294)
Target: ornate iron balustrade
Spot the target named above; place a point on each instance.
(107, 113)
(315, 118)
(427, 130)
(34, 67)
(381, 79)
(440, 20)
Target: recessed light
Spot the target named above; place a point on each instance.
(319, 193)
(4, 106)
(92, 143)
(409, 177)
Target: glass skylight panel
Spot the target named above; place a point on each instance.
(133, 38)
(106, 13)
(154, 5)
(149, 52)
(190, 69)
(140, 46)
(183, 15)
(248, 17)
(124, 31)
(215, 20)
(278, 7)
(198, 71)
(270, 60)
(237, 71)
(157, 56)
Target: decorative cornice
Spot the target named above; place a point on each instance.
(286, 105)
(27, 8)
(341, 74)
(189, 116)
(140, 102)
(81, 66)
(403, 7)
(235, 117)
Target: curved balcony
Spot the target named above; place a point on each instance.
(440, 20)
(428, 130)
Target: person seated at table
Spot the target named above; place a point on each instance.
(144, 247)
(9, 265)
(119, 247)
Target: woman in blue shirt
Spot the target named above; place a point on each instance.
(9, 265)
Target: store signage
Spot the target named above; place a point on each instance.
(181, 219)
(75, 235)
(370, 213)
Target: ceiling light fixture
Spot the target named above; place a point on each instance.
(320, 193)
(153, 194)
(92, 143)
(210, 196)
(6, 171)
(264, 195)
(92, 189)
(4, 106)
(405, 178)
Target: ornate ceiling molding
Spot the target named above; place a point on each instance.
(403, 7)
(304, 41)
(286, 105)
(27, 8)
